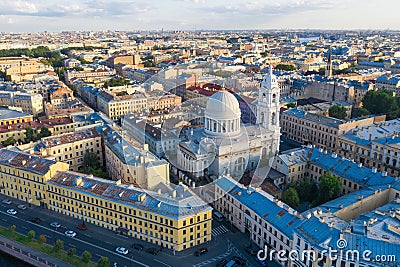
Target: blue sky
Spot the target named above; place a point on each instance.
(57, 15)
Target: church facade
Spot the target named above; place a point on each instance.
(225, 145)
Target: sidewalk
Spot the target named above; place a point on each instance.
(29, 255)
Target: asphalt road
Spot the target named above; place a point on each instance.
(103, 242)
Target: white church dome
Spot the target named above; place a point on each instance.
(222, 105)
(222, 114)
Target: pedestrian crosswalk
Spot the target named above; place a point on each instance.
(232, 250)
(220, 230)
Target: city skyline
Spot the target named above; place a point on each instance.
(39, 15)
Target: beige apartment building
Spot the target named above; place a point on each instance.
(375, 146)
(321, 131)
(29, 103)
(115, 106)
(71, 147)
(164, 101)
(133, 165)
(21, 68)
(87, 74)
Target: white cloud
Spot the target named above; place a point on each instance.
(36, 15)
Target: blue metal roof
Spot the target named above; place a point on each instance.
(263, 205)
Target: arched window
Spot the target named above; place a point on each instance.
(273, 118)
(273, 98)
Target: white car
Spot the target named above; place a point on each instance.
(12, 211)
(55, 225)
(70, 233)
(7, 201)
(122, 250)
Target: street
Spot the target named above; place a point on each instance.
(103, 242)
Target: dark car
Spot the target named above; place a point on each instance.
(138, 247)
(251, 250)
(222, 263)
(263, 263)
(35, 220)
(153, 251)
(201, 252)
(240, 261)
(82, 227)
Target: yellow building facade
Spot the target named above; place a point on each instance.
(176, 219)
(24, 176)
(71, 147)
(18, 131)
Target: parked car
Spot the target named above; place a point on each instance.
(55, 225)
(222, 263)
(138, 247)
(251, 250)
(11, 211)
(218, 216)
(21, 207)
(263, 263)
(240, 261)
(35, 220)
(200, 252)
(70, 233)
(122, 250)
(82, 227)
(230, 263)
(153, 251)
(7, 201)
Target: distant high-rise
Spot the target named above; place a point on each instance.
(328, 71)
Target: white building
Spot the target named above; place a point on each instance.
(224, 145)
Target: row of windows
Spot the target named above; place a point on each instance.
(104, 204)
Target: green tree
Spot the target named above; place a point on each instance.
(9, 141)
(359, 112)
(59, 245)
(91, 165)
(90, 160)
(148, 64)
(31, 234)
(285, 67)
(307, 190)
(12, 228)
(116, 82)
(381, 102)
(86, 256)
(42, 239)
(337, 112)
(71, 252)
(44, 132)
(29, 134)
(329, 188)
(291, 197)
(291, 105)
(103, 262)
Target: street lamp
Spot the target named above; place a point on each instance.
(83, 220)
(130, 261)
